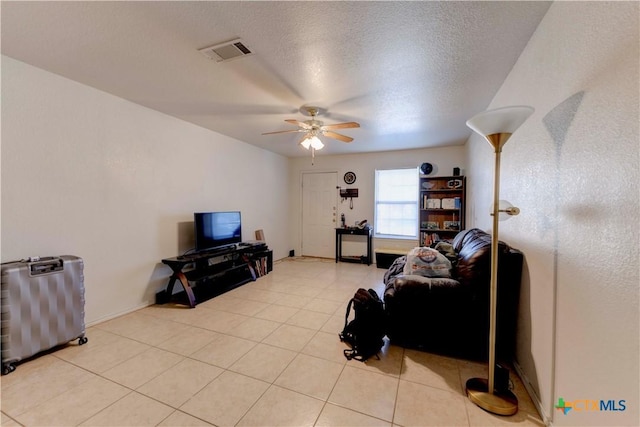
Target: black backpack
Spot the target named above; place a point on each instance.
(366, 331)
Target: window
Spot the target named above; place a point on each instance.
(396, 211)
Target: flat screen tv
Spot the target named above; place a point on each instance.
(216, 229)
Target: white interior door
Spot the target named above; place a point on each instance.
(319, 210)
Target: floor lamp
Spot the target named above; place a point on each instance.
(496, 126)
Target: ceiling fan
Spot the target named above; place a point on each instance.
(313, 129)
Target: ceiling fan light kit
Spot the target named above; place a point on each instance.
(313, 129)
(312, 141)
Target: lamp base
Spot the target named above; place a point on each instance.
(499, 403)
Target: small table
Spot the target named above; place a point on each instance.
(368, 232)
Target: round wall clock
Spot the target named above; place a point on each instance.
(349, 177)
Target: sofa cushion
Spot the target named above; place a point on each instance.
(427, 262)
(404, 283)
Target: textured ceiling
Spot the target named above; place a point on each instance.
(411, 73)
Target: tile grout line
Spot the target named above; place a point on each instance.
(395, 403)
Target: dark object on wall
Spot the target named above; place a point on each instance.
(426, 168)
(449, 315)
(42, 306)
(349, 178)
(456, 171)
(348, 193)
(365, 332)
(292, 253)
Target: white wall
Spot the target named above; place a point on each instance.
(364, 166)
(89, 174)
(573, 170)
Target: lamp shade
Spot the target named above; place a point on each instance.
(500, 120)
(316, 143)
(311, 141)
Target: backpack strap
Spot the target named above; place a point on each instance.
(346, 320)
(350, 353)
(346, 316)
(374, 295)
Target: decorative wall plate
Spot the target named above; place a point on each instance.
(349, 177)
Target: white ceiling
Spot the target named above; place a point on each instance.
(411, 73)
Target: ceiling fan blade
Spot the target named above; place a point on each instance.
(337, 136)
(303, 125)
(341, 126)
(284, 131)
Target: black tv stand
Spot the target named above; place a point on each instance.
(204, 275)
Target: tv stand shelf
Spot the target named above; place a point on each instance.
(204, 275)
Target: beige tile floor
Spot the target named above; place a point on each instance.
(264, 354)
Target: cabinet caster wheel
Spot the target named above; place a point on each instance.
(7, 369)
(82, 340)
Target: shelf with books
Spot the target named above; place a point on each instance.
(442, 208)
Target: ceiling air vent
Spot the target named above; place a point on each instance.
(227, 51)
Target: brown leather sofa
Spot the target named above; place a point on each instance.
(451, 315)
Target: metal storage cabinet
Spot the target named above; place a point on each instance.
(41, 306)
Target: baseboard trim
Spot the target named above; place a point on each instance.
(122, 313)
(534, 397)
